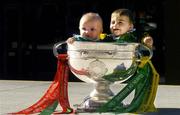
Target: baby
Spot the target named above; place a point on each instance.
(122, 27)
(90, 26)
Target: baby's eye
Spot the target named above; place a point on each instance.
(92, 29)
(113, 22)
(119, 22)
(83, 28)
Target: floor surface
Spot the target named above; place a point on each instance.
(17, 95)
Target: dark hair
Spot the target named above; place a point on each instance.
(125, 12)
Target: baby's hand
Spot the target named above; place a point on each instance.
(148, 41)
(70, 40)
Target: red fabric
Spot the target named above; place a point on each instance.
(58, 90)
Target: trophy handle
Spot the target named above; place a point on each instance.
(59, 46)
(142, 48)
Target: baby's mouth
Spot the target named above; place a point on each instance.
(115, 29)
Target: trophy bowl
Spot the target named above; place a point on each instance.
(102, 64)
(91, 62)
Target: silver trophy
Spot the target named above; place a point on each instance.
(91, 61)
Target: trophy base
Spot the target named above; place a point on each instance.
(89, 105)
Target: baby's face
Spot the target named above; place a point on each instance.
(90, 29)
(120, 25)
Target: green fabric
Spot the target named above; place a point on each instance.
(127, 37)
(141, 80)
(79, 38)
(50, 109)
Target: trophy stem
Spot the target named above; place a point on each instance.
(99, 96)
(101, 92)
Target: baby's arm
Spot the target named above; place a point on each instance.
(70, 40)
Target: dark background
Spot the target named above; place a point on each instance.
(29, 28)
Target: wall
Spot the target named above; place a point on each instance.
(30, 28)
(172, 38)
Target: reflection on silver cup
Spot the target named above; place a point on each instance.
(92, 61)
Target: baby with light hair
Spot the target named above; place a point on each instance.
(90, 26)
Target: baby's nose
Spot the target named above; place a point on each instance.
(87, 31)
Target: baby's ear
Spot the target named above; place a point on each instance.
(131, 26)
